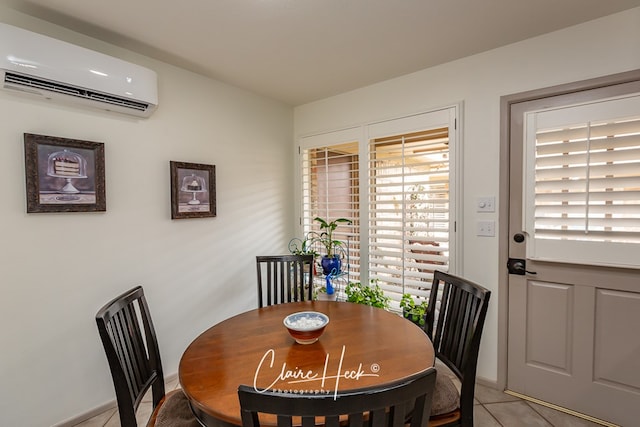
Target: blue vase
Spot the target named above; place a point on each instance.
(329, 286)
(331, 266)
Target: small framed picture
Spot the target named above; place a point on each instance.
(64, 175)
(193, 190)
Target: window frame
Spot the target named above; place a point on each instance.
(451, 115)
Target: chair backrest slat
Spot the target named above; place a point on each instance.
(119, 323)
(134, 355)
(284, 278)
(387, 406)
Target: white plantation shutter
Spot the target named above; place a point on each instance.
(330, 183)
(582, 201)
(409, 210)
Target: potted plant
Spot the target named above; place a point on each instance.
(303, 247)
(368, 295)
(414, 310)
(331, 262)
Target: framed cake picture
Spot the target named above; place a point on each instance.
(193, 190)
(64, 175)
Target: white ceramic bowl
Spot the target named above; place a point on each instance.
(306, 326)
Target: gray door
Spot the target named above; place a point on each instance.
(574, 248)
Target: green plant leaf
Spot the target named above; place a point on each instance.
(325, 238)
(371, 295)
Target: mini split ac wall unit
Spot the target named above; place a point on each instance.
(34, 64)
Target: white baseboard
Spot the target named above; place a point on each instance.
(488, 383)
(77, 419)
(112, 404)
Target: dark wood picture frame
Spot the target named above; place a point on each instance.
(64, 175)
(193, 190)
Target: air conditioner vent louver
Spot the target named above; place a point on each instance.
(31, 82)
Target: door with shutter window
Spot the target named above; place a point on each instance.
(574, 248)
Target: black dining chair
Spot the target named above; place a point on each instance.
(455, 318)
(378, 406)
(130, 344)
(284, 278)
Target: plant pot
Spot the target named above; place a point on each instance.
(331, 266)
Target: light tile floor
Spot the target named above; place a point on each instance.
(493, 409)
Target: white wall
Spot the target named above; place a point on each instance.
(605, 46)
(57, 270)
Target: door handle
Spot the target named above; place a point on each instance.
(518, 266)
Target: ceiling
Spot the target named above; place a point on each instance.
(299, 51)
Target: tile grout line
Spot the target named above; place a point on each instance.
(537, 412)
(491, 415)
(109, 419)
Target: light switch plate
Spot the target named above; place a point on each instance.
(486, 204)
(486, 228)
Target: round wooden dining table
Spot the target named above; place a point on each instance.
(361, 346)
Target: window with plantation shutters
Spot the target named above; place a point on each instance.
(396, 181)
(330, 183)
(410, 219)
(582, 195)
(408, 210)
